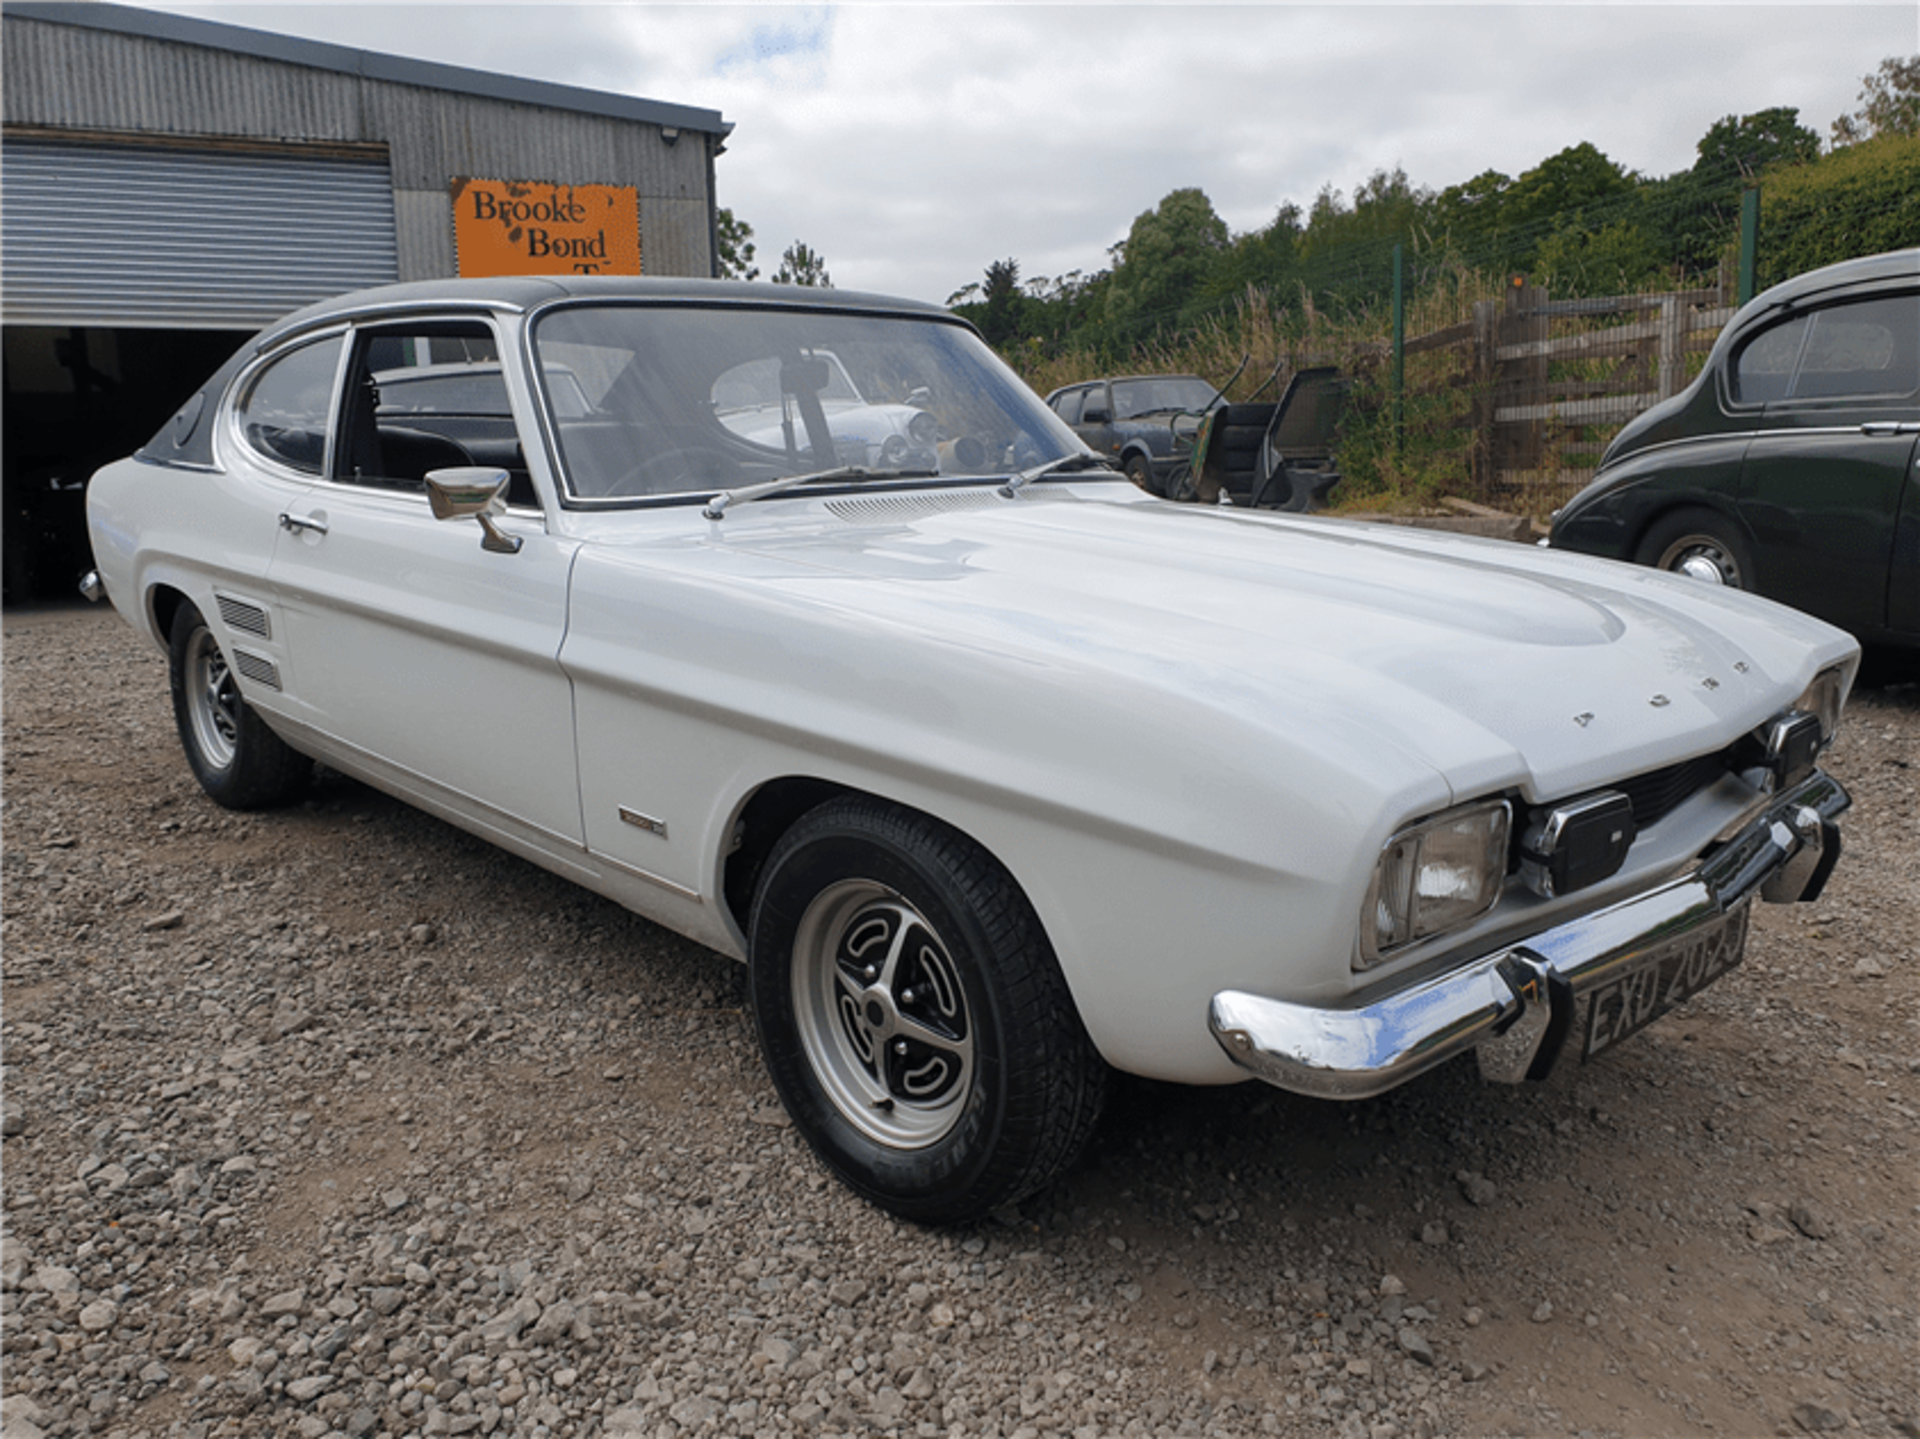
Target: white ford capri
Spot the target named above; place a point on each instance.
(794, 621)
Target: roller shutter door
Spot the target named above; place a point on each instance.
(145, 237)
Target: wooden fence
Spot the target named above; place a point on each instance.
(1548, 382)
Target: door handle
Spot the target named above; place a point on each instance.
(297, 523)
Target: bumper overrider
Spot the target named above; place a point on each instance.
(1583, 984)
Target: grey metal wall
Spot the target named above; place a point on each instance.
(76, 78)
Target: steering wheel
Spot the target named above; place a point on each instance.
(683, 468)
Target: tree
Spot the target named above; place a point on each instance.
(1168, 253)
(1346, 251)
(1002, 307)
(1889, 103)
(1386, 209)
(1613, 257)
(1067, 306)
(1021, 317)
(735, 240)
(1474, 207)
(1741, 146)
(1264, 259)
(1579, 175)
(1573, 199)
(799, 265)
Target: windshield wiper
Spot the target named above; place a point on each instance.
(716, 508)
(1065, 463)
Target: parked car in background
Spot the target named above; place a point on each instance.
(997, 773)
(749, 400)
(1129, 421)
(1788, 467)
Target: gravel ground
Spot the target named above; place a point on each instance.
(337, 1122)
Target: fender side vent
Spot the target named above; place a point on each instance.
(239, 615)
(258, 668)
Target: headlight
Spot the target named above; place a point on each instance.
(1826, 697)
(923, 429)
(1434, 876)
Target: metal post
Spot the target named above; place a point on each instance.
(1749, 243)
(1399, 353)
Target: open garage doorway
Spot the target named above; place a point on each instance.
(75, 399)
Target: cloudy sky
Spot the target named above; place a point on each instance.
(913, 144)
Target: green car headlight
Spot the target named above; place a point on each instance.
(1435, 876)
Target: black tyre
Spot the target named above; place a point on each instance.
(913, 1017)
(1140, 470)
(1699, 543)
(239, 761)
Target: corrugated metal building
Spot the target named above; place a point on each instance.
(168, 185)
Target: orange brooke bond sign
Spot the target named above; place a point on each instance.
(506, 227)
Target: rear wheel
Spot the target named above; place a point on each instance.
(239, 762)
(1698, 543)
(913, 1017)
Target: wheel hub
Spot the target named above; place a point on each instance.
(1702, 567)
(882, 1014)
(213, 701)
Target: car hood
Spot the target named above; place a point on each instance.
(1488, 663)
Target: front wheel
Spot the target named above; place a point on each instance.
(239, 762)
(912, 1015)
(1140, 470)
(1698, 543)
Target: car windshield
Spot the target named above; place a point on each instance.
(691, 400)
(1162, 393)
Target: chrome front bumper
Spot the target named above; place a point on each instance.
(1519, 1005)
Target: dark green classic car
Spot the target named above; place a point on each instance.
(1788, 467)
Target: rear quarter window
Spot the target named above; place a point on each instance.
(284, 411)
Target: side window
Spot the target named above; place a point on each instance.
(1869, 349)
(1863, 350)
(284, 412)
(423, 397)
(1067, 406)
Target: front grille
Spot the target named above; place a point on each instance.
(1658, 793)
(1651, 797)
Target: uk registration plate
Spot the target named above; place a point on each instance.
(1666, 976)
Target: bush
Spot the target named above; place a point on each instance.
(1861, 199)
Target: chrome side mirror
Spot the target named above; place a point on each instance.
(479, 491)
